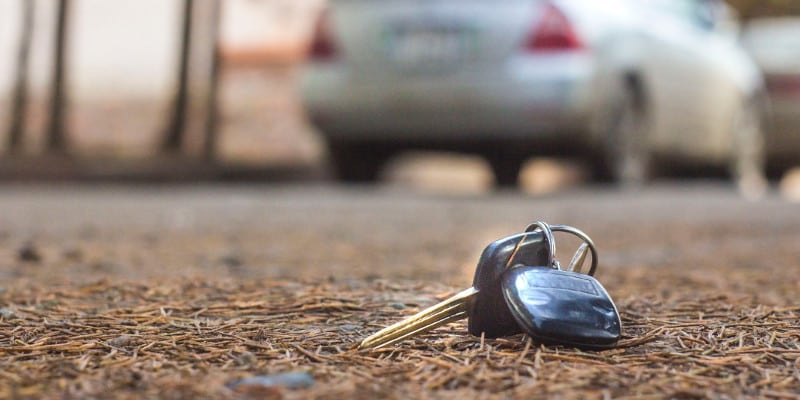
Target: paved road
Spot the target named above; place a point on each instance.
(703, 234)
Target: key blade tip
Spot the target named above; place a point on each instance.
(364, 345)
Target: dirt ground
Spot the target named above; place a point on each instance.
(178, 292)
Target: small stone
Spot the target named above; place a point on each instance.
(349, 327)
(7, 313)
(291, 380)
(231, 260)
(397, 306)
(122, 341)
(29, 253)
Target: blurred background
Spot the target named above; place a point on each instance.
(122, 65)
(376, 147)
(533, 94)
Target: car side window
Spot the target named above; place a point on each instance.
(701, 14)
(680, 9)
(707, 13)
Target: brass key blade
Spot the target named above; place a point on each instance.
(579, 258)
(452, 309)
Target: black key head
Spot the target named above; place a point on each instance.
(561, 307)
(488, 312)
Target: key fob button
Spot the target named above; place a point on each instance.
(561, 307)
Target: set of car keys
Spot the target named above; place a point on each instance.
(519, 287)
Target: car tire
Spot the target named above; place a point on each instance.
(506, 169)
(748, 161)
(627, 159)
(357, 162)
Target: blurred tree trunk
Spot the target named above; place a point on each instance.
(19, 100)
(174, 135)
(212, 102)
(56, 134)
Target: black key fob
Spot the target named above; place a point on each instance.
(488, 312)
(561, 307)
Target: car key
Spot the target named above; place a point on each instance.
(484, 303)
(488, 312)
(562, 307)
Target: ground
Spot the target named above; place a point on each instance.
(177, 292)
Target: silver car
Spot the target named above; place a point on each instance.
(775, 45)
(619, 83)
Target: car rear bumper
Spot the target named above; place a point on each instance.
(527, 99)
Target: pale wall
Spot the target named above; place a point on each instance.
(129, 47)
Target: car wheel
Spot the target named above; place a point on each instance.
(357, 162)
(747, 162)
(627, 159)
(506, 169)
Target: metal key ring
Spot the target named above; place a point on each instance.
(548, 230)
(583, 236)
(548, 235)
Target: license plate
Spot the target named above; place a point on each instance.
(429, 45)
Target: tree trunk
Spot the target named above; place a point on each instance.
(212, 102)
(56, 135)
(19, 102)
(174, 135)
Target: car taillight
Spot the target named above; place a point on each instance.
(323, 43)
(553, 33)
(783, 84)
